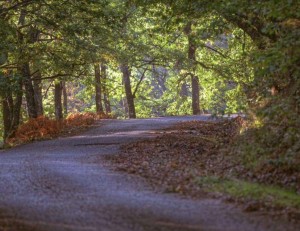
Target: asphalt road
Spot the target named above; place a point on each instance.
(64, 184)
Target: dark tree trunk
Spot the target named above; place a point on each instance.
(37, 86)
(29, 91)
(128, 91)
(194, 79)
(33, 35)
(6, 114)
(11, 99)
(98, 95)
(57, 99)
(24, 70)
(195, 95)
(10, 111)
(65, 98)
(105, 90)
(6, 99)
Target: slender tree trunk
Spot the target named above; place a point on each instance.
(33, 35)
(105, 90)
(37, 86)
(6, 114)
(24, 70)
(6, 99)
(3, 99)
(128, 91)
(65, 98)
(98, 95)
(194, 79)
(57, 98)
(195, 95)
(29, 91)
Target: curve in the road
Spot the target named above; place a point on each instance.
(63, 184)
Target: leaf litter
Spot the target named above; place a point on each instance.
(175, 159)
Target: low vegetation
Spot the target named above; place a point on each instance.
(271, 196)
(43, 128)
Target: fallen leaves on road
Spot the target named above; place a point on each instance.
(178, 155)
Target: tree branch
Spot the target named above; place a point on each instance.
(139, 83)
(4, 11)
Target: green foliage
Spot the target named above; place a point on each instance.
(243, 49)
(251, 191)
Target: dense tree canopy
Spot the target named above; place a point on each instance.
(136, 58)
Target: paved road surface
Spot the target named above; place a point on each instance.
(63, 184)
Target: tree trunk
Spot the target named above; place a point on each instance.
(105, 90)
(24, 70)
(65, 98)
(98, 95)
(11, 99)
(6, 114)
(57, 98)
(194, 79)
(128, 91)
(29, 91)
(6, 99)
(37, 86)
(195, 95)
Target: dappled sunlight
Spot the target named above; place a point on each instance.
(203, 96)
(116, 134)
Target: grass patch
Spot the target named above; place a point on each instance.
(251, 191)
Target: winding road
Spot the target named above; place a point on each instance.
(64, 184)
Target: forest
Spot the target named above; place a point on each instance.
(139, 59)
(64, 64)
(143, 59)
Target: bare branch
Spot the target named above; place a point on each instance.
(139, 83)
(215, 50)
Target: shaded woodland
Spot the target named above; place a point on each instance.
(136, 58)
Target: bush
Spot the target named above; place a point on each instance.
(44, 128)
(39, 128)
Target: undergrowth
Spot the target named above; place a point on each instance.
(271, 151)
(42, 128)
(240, 189)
